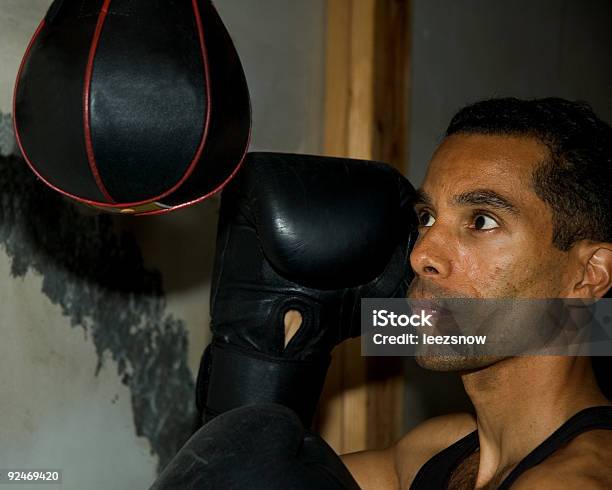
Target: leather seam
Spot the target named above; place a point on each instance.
(91, 158)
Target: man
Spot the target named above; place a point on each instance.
(516, 203)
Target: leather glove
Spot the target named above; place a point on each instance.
(305, 233)
(262, 447)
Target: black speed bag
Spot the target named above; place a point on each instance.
(132, 106)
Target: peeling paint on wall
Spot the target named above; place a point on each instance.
(7, 139)
(96, 275)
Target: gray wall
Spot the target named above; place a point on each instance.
(467, 50)
(103, 321)
(282, 48)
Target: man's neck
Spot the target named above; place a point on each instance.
(520, 401)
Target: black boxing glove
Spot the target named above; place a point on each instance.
(261, 447)
(305, 233)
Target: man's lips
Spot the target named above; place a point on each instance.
(428, 290)
(445, 306)
(441, 317)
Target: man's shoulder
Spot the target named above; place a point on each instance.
(583, 463)
(551, 477)
(427, 439)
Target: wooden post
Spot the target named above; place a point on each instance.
(365, 117)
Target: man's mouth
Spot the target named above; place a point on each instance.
(426, 290)
(439, 318)
(434, 302)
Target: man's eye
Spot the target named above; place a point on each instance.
(426, 219)
(484, 222)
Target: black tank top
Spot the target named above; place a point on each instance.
(436, 473)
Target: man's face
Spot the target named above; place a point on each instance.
(484, 232)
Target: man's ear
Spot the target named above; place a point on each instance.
(596, 278)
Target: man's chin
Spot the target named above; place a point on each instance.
(453, 363)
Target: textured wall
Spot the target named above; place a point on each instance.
(102, 320)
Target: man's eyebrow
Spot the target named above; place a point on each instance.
(422, 198)
(485, 197)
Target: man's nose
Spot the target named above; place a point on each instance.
(430, 256)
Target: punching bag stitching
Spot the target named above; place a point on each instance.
(103, 14)
(234, 172)
(205, 67)
(246, 147)
(86, 96)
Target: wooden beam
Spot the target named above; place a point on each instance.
(365, 117)
(391, 86)
(337, 83)
(385, 378)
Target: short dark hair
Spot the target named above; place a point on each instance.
(576, 181)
